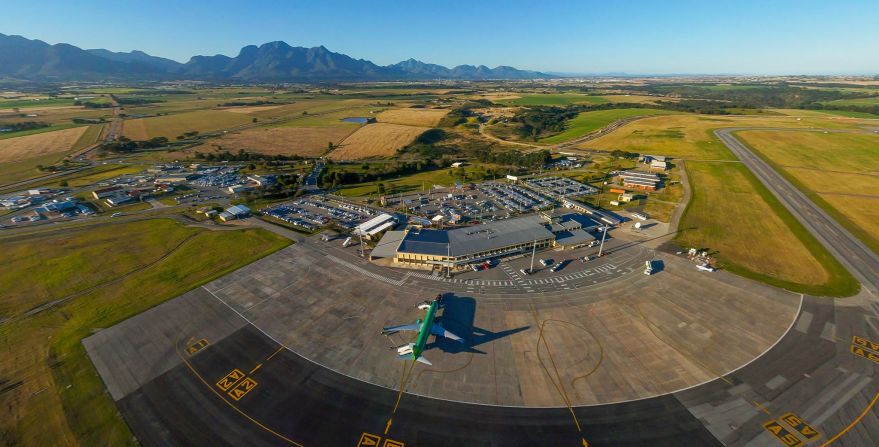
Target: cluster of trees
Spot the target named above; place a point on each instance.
(26, 125)
(125, 145)
(538, 121)
(247, 103)
(339, 175)
(287, 186)
(460, 114)
(93, 105)
(243, 155)
(89, 120)
(136, 101)
(531, 160)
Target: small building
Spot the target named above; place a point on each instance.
(626, 197)
(118, 198)
(235, 212)
(106, 192)
(658, 165)
(602, 216)
(235, 189)
(261, 181)
(375, 225)
(174, 179)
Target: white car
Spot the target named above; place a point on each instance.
(115, 214)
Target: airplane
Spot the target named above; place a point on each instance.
(425, 329)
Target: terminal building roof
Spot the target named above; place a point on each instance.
(477, 239)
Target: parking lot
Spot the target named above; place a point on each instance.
(313, 212)
(560, 187)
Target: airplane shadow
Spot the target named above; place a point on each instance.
(458, 316)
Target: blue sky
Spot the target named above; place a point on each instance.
(741, 37)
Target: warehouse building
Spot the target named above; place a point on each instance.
(601, 216)
(640, 180)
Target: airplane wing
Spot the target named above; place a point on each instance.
(420, 359)
(405, 327)
(438, 330)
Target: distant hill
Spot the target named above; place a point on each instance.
(36, 60)
(26, 59)
(136, 56)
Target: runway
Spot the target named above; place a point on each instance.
(849, 250)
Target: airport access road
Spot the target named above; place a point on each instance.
(849, 250)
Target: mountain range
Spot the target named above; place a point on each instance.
(26, 59)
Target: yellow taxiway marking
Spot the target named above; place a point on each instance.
(255, 368)
(854, 422)
(243, 387)
(859, 351)
(371, 440)
(782, 434)
(761, 407)
(275, 353)
(229, 380)
(801, 427)
(864, 343)
(238, 410)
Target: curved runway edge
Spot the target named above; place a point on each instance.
(313, 406)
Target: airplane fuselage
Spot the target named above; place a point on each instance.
(424, 331)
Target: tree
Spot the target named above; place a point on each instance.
(251, 166)
(254, 120)
(329, 145)
(62, 183)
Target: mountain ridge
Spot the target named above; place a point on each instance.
(276, 61)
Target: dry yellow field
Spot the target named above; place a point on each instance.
(376, 140)
(170, 126)
(842, 169)
(303, 141)
(46, 143)
(413, 117)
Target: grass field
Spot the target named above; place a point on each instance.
(90, 176)
(303, 141)
(869, 102)
(29, 103)
(839, 171)
(552, 99)
(408, 183)
(692, 137)
(170, 126)
(38, 145)
(56, 397)
(413, 117)
(636, 99)
(376, 140)
(588, 122)
(734, 215)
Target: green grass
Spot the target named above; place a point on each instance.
(407, 183)
(870, 101)
(554, 99)
(132, 267)
(588, 122)
(27, 103)
(851, 114)
(732, 213)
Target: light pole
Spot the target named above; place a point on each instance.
(601, 247)
(448, 259)
(533, 251)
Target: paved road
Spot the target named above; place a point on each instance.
(849, 250)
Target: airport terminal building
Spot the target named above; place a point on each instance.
(459, 247)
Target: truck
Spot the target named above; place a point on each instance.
(648, 268)
(705, 268)
(347, 242)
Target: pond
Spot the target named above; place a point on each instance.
(356, 119)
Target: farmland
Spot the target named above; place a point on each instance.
(41, 144)
(588, 122)
(58, 394)
(839, 171)
(376, 140)
(170, 126)
(552, 99)
(413, 116)
(302, 141)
